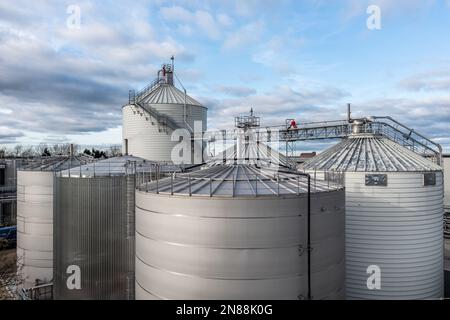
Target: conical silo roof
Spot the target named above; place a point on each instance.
(369, 153)
(168, 94)
(252, 153)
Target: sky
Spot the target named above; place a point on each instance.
(66, 82)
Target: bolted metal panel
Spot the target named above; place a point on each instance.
(395, 224)
(93, 223)
(397, 227)
(194, 247)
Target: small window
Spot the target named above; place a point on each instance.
(376, 180)
(429, 179)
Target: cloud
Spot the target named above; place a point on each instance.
(278, 104)
(244, 36)
(203, 21)
(236, 91)
(65, 81)
(8, 135)
(437, 80)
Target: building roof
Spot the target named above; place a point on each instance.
(117, 166)
(168, 94)
(252, 153)
(56, 163)
(369, 153)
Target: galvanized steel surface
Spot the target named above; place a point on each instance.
(240, 180)
(168, 94)
(446, 167)
(35, 216)
(94, 230)
(35, 226)
(238, 248)
(369, 153)
(399, 229)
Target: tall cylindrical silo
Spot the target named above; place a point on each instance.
(154, 113)
(238, 232)
(94, 229)
(394, 208)
(35, 218)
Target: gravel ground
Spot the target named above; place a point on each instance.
(7, 271)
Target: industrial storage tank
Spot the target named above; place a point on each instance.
(239, 231)
(94, 228)
(8, 190)
(394, 209)
(154, 113)
(447, 251)
(35, 217)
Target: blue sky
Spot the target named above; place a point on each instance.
(286, 59)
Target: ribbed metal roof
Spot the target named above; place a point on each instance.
(369, 153)
(241, 180)
(252, 153)
(168, 94)
(57, 163)
(117, 166)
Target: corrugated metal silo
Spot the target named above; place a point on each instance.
(154, 113)
(238, 231)
(394, 207)
(35, 217)
(94, 229)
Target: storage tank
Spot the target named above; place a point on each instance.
(35, 217)
(94, 229)
(394, 208)
(447, 251)
(8, 190)
(239, 231)
(446, 167)
(154, 113)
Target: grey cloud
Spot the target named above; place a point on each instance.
(65, 81)
(236, 91)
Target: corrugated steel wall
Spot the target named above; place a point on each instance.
(94, 230)
(142, 131)
(238, 248)
(398, 228)
(446, 167)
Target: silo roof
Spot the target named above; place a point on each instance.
(56, 163)
(369, 153)
(117, 166)
(239, 180)
(168, 94)
(252, 153)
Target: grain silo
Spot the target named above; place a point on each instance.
(394, 208)
(154, 113)
(35, 217)
(239, 230)
(94, 229)
(447, 251)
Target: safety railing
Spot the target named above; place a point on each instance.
(260, 184)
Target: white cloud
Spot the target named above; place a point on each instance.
(244, 36)
(202, 20)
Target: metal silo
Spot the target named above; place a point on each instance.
(239, 231)
(35, 217)
(394, 207)
(154, 113)
(94, 229)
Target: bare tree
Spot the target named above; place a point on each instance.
(17, 150)
(114, 151)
